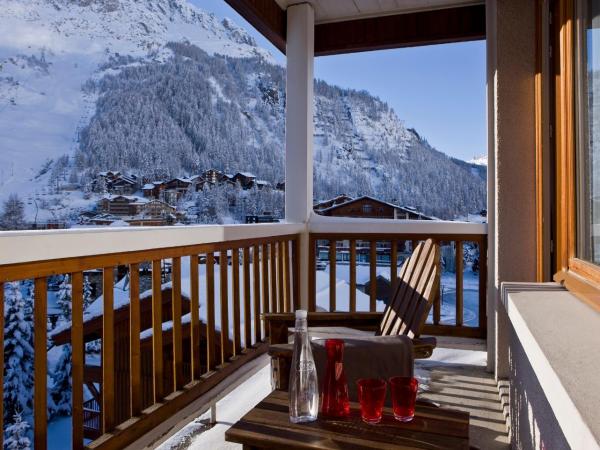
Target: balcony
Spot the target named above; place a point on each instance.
(172, 324)
(176, 329)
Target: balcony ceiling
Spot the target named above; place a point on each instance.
(327, 11)
(345, 26)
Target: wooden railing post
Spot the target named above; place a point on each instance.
(247, 298)
(373, 275)
(210, 312)
(2, 364)
(256, 292)
(194, 318)
(224, 302)
(352, 275)
(40, 365)
(332, 275)
(157, 346)
(77, 360)
(459, 283)
(108, 351)
(176, 317)
(235, 266)
(135, 357)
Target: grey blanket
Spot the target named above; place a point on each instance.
(368, 356)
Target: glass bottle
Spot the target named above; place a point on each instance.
(303, 387)
(335, 387)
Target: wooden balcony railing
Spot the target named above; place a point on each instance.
(173, 323)
(382, 255)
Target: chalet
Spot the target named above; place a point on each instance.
(122, 205)
(153, 189)
(369, 207)
(215, 176)
(262, 184)
(123, 185)
(157, 208)
(331, 202)
(245, 179)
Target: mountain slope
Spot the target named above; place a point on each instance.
(163, 89)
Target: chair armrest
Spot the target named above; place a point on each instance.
(277, 324)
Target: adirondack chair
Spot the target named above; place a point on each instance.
(415, 290)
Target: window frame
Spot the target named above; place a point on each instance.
(580, 277)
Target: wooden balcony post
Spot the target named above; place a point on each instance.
(40, 365)
(77, 358)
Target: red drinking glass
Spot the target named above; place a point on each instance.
(335, 387)
(371, 396)
(404, 397)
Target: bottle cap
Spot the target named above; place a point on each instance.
(301, 314)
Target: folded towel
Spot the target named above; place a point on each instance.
(368, 357)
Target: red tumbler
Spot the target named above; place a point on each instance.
(371, 396)
(404, 397)
(335, 387)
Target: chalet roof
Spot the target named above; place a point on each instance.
(409, 209)
(263, 182)
(245, 174)
(148, 186)
(132, 199)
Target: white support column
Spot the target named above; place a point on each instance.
(299, 127)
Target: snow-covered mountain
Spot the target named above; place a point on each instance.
(50, 48)
(163, 88)
(481, 160)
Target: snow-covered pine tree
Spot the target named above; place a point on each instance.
(64, 297)
(15, 436)
(60, 392)
(18, 353)
(87, 293)
(13, 213)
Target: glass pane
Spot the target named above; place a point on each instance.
(588, 164)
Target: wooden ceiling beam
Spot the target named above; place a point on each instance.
(266, 16)
(441, 26)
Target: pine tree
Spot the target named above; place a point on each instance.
(18, 353)
(64, 297)
(87, 293)
(60, 391)
(16, 434)
(13, 213)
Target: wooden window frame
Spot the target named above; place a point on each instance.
(580, 277)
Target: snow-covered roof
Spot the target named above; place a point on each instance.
(263, 182)
(148, 186)
(246, 174)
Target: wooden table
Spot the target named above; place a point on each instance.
(267, 426)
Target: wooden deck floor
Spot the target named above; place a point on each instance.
(454, 376)
(466, 387)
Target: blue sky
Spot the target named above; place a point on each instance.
(439, 90)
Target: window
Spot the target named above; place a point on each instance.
(588, 131)
(367, 209)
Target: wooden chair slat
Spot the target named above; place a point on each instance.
(395, 306)
(414, 293)
(419, 300)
